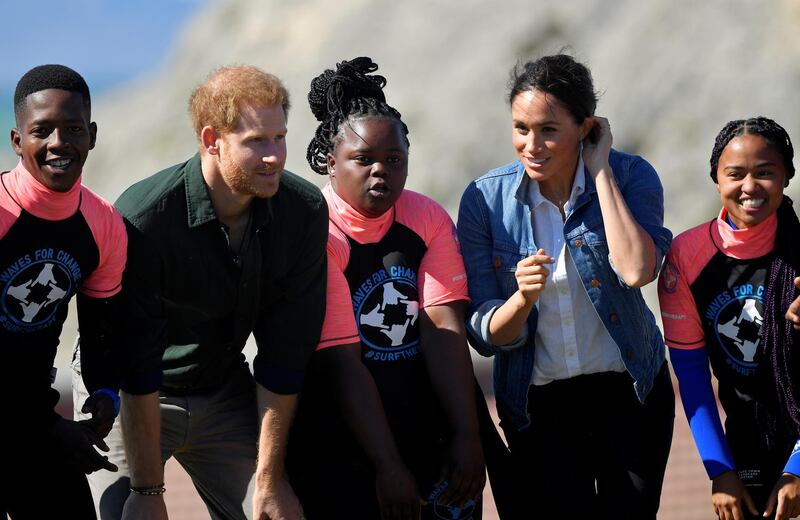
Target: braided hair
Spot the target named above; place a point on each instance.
(780, 369)
(335, 96)
(771, 131)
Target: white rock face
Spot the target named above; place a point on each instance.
(671, 74)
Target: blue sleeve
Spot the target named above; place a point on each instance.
(476, 247)
(793, 464)
(700, 405)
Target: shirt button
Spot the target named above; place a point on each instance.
(578, 243)
(629, 354)
(595, 283)
(497, 262)
(612, 318)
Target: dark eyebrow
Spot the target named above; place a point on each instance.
(367, 149)
(758, 165)
(548, 122)
(765, 163)
(45, 121)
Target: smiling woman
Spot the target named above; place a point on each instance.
(727, 296)
(556, 245)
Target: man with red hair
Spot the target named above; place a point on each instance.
(223, 245)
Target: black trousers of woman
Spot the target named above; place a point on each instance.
(593, 450)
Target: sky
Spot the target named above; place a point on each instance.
(107, 41)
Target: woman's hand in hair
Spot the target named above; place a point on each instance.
(785, 497)
(728, 495)
(793, 314)
(597, 145)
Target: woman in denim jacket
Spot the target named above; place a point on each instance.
(557, 245)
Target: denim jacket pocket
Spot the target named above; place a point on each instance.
(505, 260)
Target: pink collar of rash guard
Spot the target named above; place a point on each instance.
(39, 200)
(364, 230)
(745, 243)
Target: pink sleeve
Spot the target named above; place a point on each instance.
(442, 276)
(339, 327)
(9, 209)
(685, 260)
(109, 234)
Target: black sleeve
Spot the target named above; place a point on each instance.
(144, 323)
(99, 328)
(288, 328)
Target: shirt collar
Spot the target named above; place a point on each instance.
(535, 197)
(199, 208)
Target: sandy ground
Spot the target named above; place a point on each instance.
(686, 494)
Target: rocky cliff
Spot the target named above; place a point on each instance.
(671, 74)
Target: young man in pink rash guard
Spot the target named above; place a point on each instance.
(57, 239)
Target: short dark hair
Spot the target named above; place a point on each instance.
(569, 81)
(46, 77)
(350, 90)
(765, 127)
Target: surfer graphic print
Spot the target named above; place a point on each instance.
(54, 245)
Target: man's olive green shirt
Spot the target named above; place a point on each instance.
(191, 302)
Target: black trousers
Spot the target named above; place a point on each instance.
(39, 484)
(593, 450)
(499, 463)
(758, 464)
(336, 481)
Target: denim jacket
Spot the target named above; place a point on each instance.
(496, 232)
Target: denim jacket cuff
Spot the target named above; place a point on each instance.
(619, 276)
(478, 326)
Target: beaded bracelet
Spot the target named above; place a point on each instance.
(149, 490)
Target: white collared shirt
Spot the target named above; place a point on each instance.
(570, 337)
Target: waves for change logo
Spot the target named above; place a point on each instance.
(737, 315)
(33, 291)
(386, 306)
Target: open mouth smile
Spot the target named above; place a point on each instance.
(61, 163)
(536, 162)
(752, 203)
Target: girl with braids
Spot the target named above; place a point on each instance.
(556, 245)
(387, 426)
(728, 297)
